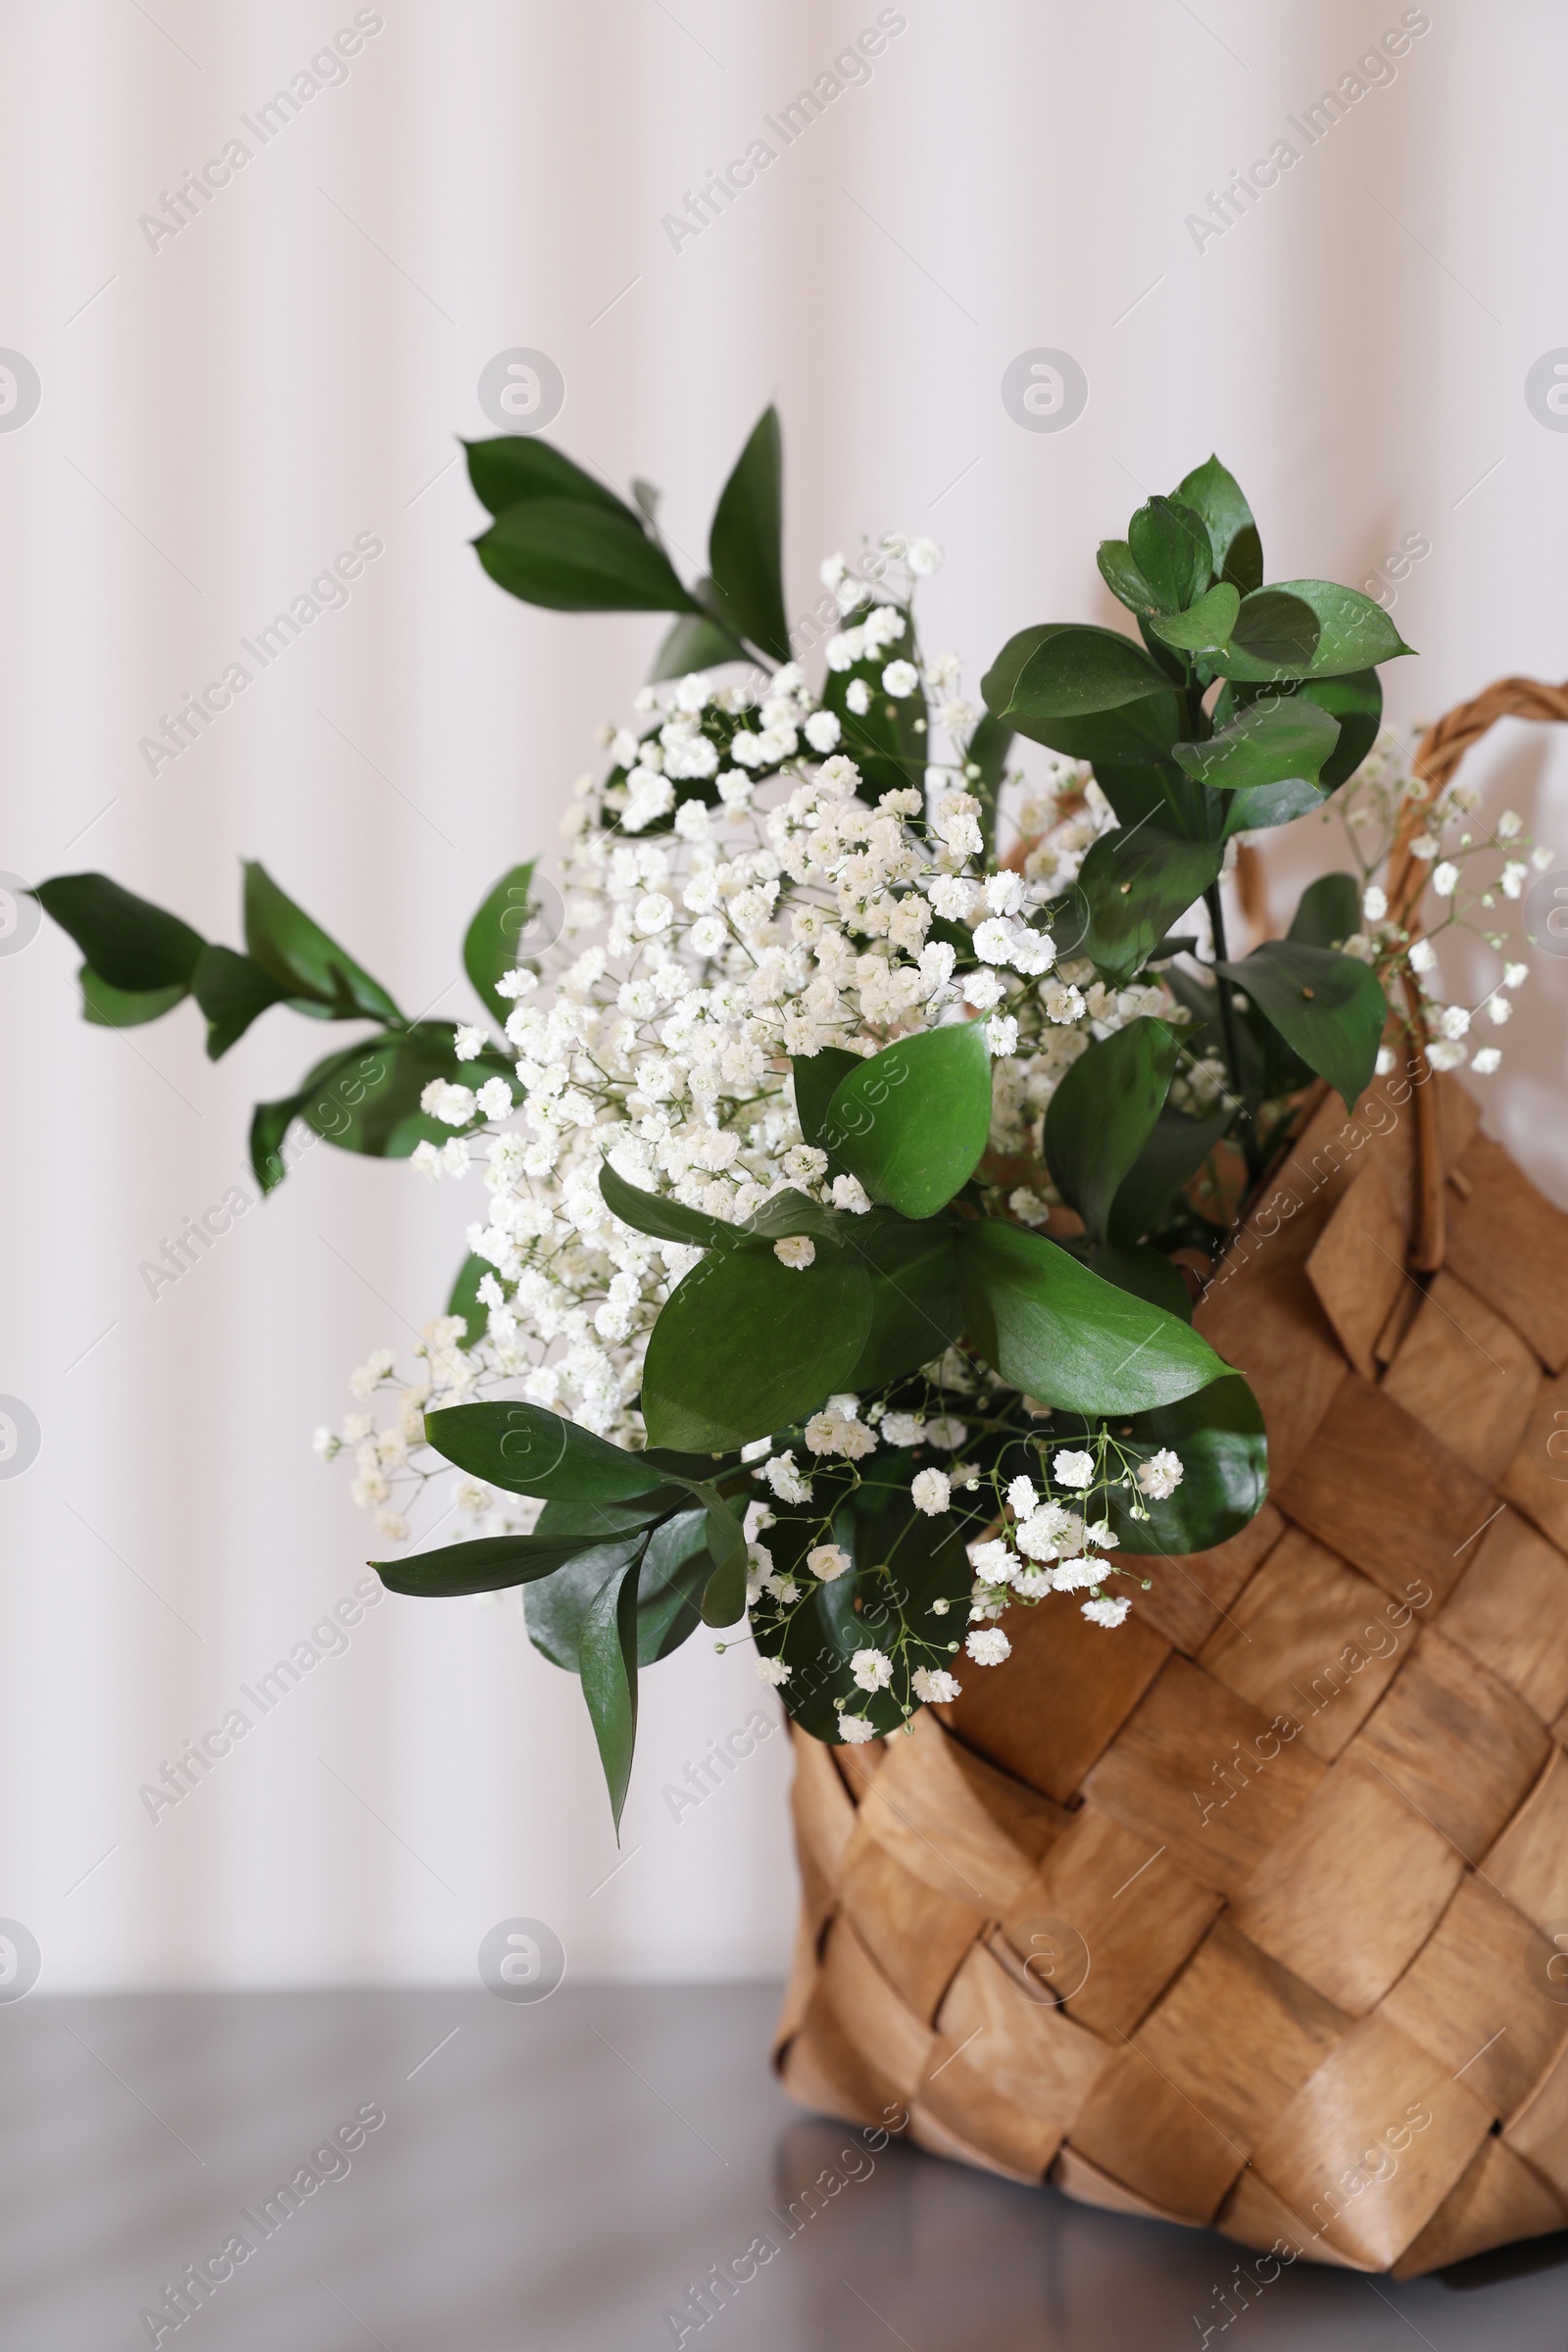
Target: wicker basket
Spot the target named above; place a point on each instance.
(1254, 1914)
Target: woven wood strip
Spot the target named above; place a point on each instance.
(1252, 1914)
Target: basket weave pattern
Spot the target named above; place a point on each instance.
(1246, 1914)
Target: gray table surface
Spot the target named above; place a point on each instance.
(558, 2177)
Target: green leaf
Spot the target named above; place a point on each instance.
(608, 1663)
(296, 952)
(1144, 1273)
(1136, 882)
(1355, 700)
(745, 1346)
(1329, 1008)
(1076, 672)
(233, 992)
(130, 944)
(916, 1310)
(1267, 743)
(989, 746)
(1171, 547)
(912, 1121)
(666, 1220)
(1256, 808)
(518, 467)
(676, 1567)
(724, 1594)
(574, 558)
(1205, 626)
(490, 1565)
(1216, 495)
(815, 1076)
(527, 1451)
(1103, 1113)
(888, 741)
(1176, 1148)
(1274, 637)
(745, 548)
(1123, 578)
(365, 1099)
(1135, 736)
(695, 642)
(1218, 1434)
(1055, 1331)
(109, 1008)
(1329, 912)
(463, 1298)
(491, 943)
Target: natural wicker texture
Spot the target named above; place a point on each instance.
(1114, 1922)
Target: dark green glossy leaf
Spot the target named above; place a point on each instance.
(303, 959)
(1176, 1148)
(1262, 806)
(463, 1298)
(912, 1121)
(915, 1307)
(695, 642)
(670, 1590)
(815, 1076)
(130, 944)
(1171, 547)
(1145, 1273)
(518, 466)
(1137, 735)
(528, 1450)
(1204, 627)
(1329, 912)
(1347, 633)
(745, 1346)
(724, 1594)
(109, 1008)
(1216, 494)
(1267, 743)
(607, 1665)
(490, 1565)
(1355, 700)
(666, 1220)
(1329, 1008)
(1123, 578)
(492, 942)
(233, 992)
(1103, 1113)
(745, 548)
(1135, 884)
(571, 557)
(1055, 1331)
(1218, 1434)
(1076, 672)
(365, 1099)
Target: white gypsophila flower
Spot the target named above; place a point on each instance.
(902, 1429)
(1486, 1061)
(1499, 1011)
(1423, 955)
(1105, 1611)
(1027, 1207)
(467, 1042)
(945, 1432)
(987, 1645)
(1446, 1053)
(1453, 1021)
(855, 1731)
(827, 1562)
(1385, 1060)
(873, 1669)
(931, 1491)
(1032, 1584)
(372, 1372)
(785, 1479)
(1511, 880)
(1074, 1470)
(1022, 1497)
(1514, 975)
(1374, 903)
(1160, 1477)
(774, 1670)
(822, 731)
(991, 1560)
(850, 1193)
(796, 1249)
(1446, 880)
(934, 1686)
(922, 556)
(1540, 858)
(1071, 1575)
(1103, 1534)
(857, 697)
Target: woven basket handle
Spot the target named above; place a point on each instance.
(1437, 756)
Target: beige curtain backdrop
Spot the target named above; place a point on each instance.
(221, 408)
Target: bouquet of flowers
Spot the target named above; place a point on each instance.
(858, 1116)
